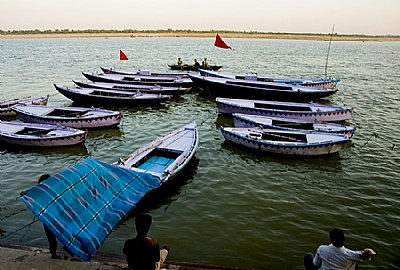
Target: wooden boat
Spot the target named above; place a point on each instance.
(120, 188)
(286, 142)
(269, 122)
(74, 117)
(151, 89)
(311, 112)
(192, 68)
(136, 79)
(5, 106)
(110, 98)
(143, 72)
(304, 81)
(235, 88)
(167, 156)
(39, 135)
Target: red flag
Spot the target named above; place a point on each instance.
(122, 55)
(220, 43)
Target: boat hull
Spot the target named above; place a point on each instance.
(250, 121)
(7, 112)
(92, 118)
(231, 88)
(39, 135)
(296, 149)
(335, 115)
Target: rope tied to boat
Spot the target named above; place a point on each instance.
(377, 136)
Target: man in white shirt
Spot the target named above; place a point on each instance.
(335, 256)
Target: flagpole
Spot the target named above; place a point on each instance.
(327, 55)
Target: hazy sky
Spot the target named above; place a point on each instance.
(370, 17)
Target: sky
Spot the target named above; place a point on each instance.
(369, 17)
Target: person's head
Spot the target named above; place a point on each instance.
(336, 236)
(43, 177)
(205, 59)
(143, 222)
(179, 58)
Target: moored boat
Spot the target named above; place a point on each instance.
(5, 106)
(74, 117)
(151, 89)
(304, 81)
(167, 156)
(286, 142)
(143, 72)
(269, 122)
(110, 98)
(238, 88)
(39, 135)
(311, 112)
(73, 211)
(139, 79)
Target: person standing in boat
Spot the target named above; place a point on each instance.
(205, 65)
(50, 236)
(335, 255)
(143, 252)
(179, 61)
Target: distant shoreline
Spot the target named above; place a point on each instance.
(321, 37)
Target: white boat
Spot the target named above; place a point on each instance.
(75, 117)
(39, 135)
(311, 112)
(5, 106)
(250, 120)
(167, 156)
(110, 70)
(304, 81)
(286, 142)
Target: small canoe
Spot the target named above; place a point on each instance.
(304, 81)
(5, 106)
(192, 68)
(74, 117)
(143, 72)
(248, 89)
(311, 112)
(150, 89)
(286, 142)
(269, 122)
(136, 79)
(167, 156)
(110, 98)
(39, 135)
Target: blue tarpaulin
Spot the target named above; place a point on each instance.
(82, 204)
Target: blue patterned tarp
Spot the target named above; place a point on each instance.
(82, 204)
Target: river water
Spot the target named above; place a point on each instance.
(234, 207)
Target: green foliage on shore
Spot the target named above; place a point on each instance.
(177, 31)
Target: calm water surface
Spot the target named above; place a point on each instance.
(234, 207)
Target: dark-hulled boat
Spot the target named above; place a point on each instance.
(143, 72)
(136, 79)
(110, 98)
(236, 88)
(150, 89)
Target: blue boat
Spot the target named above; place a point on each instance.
(82, 205)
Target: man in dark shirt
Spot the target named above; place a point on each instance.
(143, 252)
